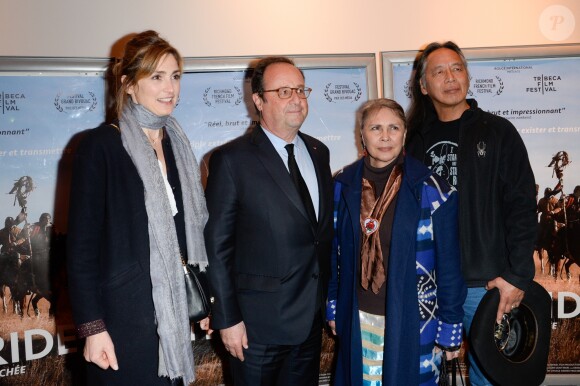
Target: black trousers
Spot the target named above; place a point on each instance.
(281, 365)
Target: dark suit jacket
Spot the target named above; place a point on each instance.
(269, 265)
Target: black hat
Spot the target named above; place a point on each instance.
(514, 352)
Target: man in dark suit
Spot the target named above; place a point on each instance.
(269, 236)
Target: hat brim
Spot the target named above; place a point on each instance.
(524, 359)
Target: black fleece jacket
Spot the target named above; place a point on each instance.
(497, 204)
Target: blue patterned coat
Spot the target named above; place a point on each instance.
(425, 289)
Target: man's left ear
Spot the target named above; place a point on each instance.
(257, 101)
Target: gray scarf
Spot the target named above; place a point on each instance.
(169, 299)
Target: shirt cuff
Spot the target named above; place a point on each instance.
(91, 328)
(331, 310)
(449, 335)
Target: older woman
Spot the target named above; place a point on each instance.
(396, 292)
(137, 207)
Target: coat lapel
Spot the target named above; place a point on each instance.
(272, 162)
(351, 191)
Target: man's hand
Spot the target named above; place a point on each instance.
(99, 349)
(235, 340)
(510, 297)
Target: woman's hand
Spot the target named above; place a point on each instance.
(205, 325)
(449, 355)
(332, 325)
(99, 349)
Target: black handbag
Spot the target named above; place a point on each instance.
(198, 293)
(444, 376)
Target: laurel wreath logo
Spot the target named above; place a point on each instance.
(59, 107)
(57, 103)
(469, 92)
(238, 100)
(240, 96)
(205, 100)
(358, 91)
(328, 97)
(407, 89)
(356, 97)
(500, 89)
(94, 103)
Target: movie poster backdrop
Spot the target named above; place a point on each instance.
(45, 106)
(536, 89)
